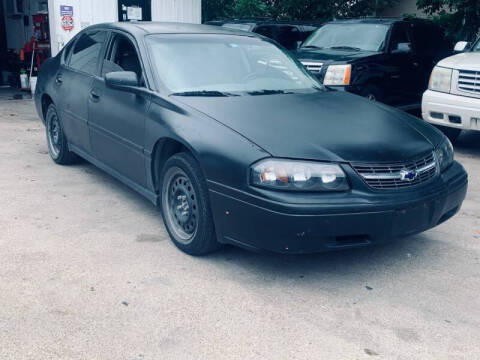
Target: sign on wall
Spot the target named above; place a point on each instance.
(66, 17)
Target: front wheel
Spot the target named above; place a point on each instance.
(186, 206)
(451, 133)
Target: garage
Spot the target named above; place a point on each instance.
(33, 30)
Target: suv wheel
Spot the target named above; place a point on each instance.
(372, 93)
(56, 139)
(186, 207)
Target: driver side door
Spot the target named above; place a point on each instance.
(117, 118)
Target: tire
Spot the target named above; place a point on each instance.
(372, 92)
(451, 133)
(56, 139)
(185, 206)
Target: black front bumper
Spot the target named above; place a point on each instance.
(335, 221)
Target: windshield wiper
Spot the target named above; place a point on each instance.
(268, 92)
(311, 47)
(212, 93)
(345, 48)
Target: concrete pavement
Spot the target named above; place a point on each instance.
(87, 272)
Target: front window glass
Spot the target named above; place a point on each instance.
(368, 37)
(225, 63)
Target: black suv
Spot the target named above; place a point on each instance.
(290, 34)
(383, 59)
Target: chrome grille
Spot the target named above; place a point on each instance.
(392, 176)
(469, 81)
(313, 67)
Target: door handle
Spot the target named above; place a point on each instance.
(94, 96)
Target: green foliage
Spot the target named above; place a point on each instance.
(320, 10)
(461, 18)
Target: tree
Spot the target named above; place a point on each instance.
(461, 18)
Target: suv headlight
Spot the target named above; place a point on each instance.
(444, 155)
(338, 75)
(440, 79)
(298, 175)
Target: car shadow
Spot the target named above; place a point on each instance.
(346, 265)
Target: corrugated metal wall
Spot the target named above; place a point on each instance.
(189, 11)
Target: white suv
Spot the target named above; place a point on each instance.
(452, 101)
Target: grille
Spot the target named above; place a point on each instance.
(469, 81)
(392, 176)
(314, 67)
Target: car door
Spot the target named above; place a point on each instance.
(73, 82)
(405, 66)
(117, 118)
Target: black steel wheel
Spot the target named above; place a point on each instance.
(56, 140)
(186, 207)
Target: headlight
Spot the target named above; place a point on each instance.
(298, 175)
(440, 79)
(444, 154)
(338, 75)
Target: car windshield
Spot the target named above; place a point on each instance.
(217, 65)
(368, 37)
(235, 26)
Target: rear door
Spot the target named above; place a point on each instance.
(117, 118)
(74, 81)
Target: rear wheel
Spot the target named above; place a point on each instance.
(451, 133)
(56, 140)
(186, 207)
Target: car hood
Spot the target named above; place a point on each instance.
(326, 125)
(332, 55)
(463, 61)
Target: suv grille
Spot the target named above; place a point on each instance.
(313, 67)
(469, 81)
(398, 175)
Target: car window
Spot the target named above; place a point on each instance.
(121, 56)
(427, 39)
(226, 64)
(268, 31)
(66, 51)
(288, 36)
(399, 36)
(349, 36)
(86, 52)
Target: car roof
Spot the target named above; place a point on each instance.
(139, 28)
(379, 20)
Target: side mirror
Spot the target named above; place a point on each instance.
(461, 46)
(403, 48)
(122, 80)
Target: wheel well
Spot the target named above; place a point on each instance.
(46, 101)
(163, 150)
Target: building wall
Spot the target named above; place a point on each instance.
(89, 12)
(189, 11)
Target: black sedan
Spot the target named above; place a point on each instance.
(238, 144)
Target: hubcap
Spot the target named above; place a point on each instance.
(180, 205)
(53, 135)
(371, 97)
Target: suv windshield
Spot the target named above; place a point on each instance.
(369, 37)
(216, 65)
(476, 46)
(244, 27)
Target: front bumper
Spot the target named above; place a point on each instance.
(357, 219)
(461, 112)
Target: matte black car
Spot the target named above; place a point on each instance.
(289, 34)
(238, 144)
(383, 59)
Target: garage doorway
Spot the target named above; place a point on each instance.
(24, 45)
(134, 10)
